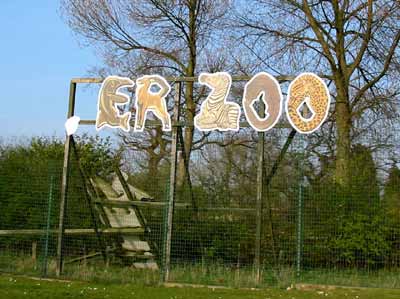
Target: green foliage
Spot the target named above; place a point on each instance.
(392, 193)
(154, 186)
(25, 172)
(98, 155)
(352, 224)
(29, 171)
(361, 239)
(364, 190)
(231, 240)
(342, 227)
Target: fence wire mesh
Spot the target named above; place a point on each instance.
(29, 200)
(312, 231)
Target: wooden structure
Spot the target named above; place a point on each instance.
(177, 126)
(134, 249)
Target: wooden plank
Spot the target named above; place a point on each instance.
(177, 205)
(87, 80)
(64, 182)
(181, 79)
(34, 252)
(84, 257)
(172, 185)
(227, 210)
(155, 123)
(156, 204)
(137, 256)
(88, 256)
(122, 217)
(146, 265)
(133, 243)
(119, 230)
(131, 197)
(74, 231)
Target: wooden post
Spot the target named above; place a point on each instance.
(64, 182)
(172, 184)
(260, 195)
(34, 253)
(89, 191)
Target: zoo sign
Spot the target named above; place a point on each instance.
(216, 112)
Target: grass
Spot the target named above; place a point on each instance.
(357, 278)
(20, 287)
(217, 274)
(202, 273)
(283, 277)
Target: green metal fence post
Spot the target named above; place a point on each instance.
(259, 204)
(299, 230)
(164, 233)
(46, 245)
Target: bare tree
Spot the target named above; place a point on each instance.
(140, 37)
(355, 44)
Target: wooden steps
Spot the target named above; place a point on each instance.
(117, 209)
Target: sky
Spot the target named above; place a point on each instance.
(39, 55)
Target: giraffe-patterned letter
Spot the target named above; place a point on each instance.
(308, 89)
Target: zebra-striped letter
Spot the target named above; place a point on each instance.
(215, 112)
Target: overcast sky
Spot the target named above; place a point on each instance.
(38, 56)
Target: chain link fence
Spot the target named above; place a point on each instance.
(308, 230)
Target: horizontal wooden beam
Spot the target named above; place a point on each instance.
(155, 123)
(84, 257)
(179, 79)
(120, 203)
(78, 231)
(161, 204)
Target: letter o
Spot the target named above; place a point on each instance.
(266, 85)
(310, 89)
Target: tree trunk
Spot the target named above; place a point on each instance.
(343, 142)
(343, 113)
(188, 133)
(152, 165)
(189, 100)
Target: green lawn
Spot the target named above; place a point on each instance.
(18, 287)
(203, 273)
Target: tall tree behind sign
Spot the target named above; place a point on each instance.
(353, 43)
